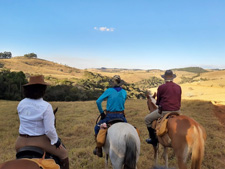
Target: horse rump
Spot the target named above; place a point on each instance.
(198, 147)
(130, 158)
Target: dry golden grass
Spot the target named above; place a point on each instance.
(39, 66)
(75, 126)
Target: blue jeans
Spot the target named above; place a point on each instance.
(108, 118)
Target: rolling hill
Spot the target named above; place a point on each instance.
(196, 83)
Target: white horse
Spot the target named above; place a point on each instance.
(122, 146)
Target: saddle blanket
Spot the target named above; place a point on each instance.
(45, 163)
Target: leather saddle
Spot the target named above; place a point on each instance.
(35, 152)
(113, 121)
(160, 125)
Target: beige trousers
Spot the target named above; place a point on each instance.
(155, 115)
(42, 142)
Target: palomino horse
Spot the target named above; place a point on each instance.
(122, 146)
(184, 136)
(25, 163)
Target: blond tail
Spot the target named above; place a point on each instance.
(198, 148)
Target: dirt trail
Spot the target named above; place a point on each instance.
(219, 111)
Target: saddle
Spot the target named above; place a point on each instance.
(36, 154)
(113, 121)
(160, 125)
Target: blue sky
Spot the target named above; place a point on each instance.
(141, 34)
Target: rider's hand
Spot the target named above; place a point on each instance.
(103, 116)
(58, 143)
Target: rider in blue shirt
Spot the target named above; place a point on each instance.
(116, 97)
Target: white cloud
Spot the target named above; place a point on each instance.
(104, 29)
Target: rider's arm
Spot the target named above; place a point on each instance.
(49, 124)
(100, 99)
(158, 96)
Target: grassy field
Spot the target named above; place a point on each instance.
(76, 120)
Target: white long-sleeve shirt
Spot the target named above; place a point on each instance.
(37, 118)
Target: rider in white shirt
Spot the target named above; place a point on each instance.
(37, 122)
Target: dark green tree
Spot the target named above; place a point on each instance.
(11, 84)
(5, 55)
(31, 55)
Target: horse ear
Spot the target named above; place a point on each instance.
(56, 109)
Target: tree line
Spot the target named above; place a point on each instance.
(89, 88)
(8, 55)
(11, 84)
(5, 55)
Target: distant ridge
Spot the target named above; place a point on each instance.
(186, 69)
(104, 69)
(192, 69)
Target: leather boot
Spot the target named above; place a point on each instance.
(64, 164)
(153, 139)
(98, 151)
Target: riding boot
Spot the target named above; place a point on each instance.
(153, 139)
(98, 150)
(64, 164)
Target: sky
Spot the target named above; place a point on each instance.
(131, 34)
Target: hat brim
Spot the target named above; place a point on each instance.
(169, 77)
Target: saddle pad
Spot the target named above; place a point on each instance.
(45, 163)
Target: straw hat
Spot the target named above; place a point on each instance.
(116, 81)
(36, 80)
(168, 75)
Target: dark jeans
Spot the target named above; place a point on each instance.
(108, 118)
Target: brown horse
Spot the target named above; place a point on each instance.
(19, 164)
(184, 136)
(24, 163)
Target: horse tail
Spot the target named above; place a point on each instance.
(198, 147)
(131, 152)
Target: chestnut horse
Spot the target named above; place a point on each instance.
(23, 163)
(19, 164)
(184, 136)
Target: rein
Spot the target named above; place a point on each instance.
(97, 120)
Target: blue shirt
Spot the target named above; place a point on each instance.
(116, 98)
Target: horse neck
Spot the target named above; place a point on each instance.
(151, 105)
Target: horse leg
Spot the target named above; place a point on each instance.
(156, 148)
(106, 161)
(118, 163)
(181, 153)
(165, 156)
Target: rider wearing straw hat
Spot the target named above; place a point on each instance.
(37, 121)
(168, 99)
(116, 97)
